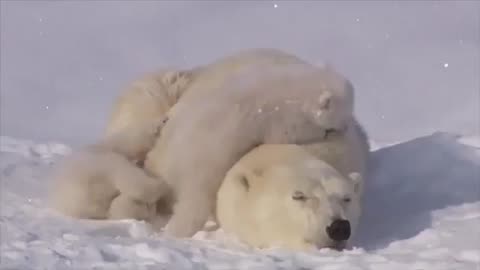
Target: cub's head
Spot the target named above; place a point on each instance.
(297, 205)
(333, 105)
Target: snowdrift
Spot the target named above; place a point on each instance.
(422, 211)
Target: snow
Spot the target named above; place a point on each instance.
(415, 68)
(422, 211)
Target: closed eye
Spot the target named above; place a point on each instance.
(299, 196)
(347, 200)
(329, 132)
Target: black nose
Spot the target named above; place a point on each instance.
(339, 230)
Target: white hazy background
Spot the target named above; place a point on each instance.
(415, 65)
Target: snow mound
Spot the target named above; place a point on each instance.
(422, 211)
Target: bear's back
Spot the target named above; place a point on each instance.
(215, 75)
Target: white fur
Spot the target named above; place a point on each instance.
(144, 105)
(237, 102)
(156, 95)
(86, 183)
(101, 181)
(294, 103)
(262, 212)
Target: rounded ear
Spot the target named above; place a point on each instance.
(244, 179)
(324, 100)
(357, 180)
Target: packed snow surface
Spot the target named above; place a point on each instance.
(422, 211)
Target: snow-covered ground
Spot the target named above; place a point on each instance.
(422, 212)
(415, 67)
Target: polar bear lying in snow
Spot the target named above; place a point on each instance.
(281, 195)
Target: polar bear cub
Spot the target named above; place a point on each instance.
(158, 94)
(145, 101)
(102, 181)
(105, 180)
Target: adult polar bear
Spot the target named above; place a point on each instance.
(263, 103)
(297, 196)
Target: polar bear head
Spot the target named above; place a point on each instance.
(282, 196)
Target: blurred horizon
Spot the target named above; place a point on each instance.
(414, 65)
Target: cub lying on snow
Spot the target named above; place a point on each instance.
(101, 181)
(255, 97)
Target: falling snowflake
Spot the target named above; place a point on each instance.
(275, 5)
(445, 65)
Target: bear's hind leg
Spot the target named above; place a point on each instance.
(124, 207)
(135, 183)
(190, 213)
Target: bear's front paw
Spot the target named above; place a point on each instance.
(184, 225)
(179, 230)
(158, 222)
(180, 227)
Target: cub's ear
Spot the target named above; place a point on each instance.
(324, 100)
(357, 180)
